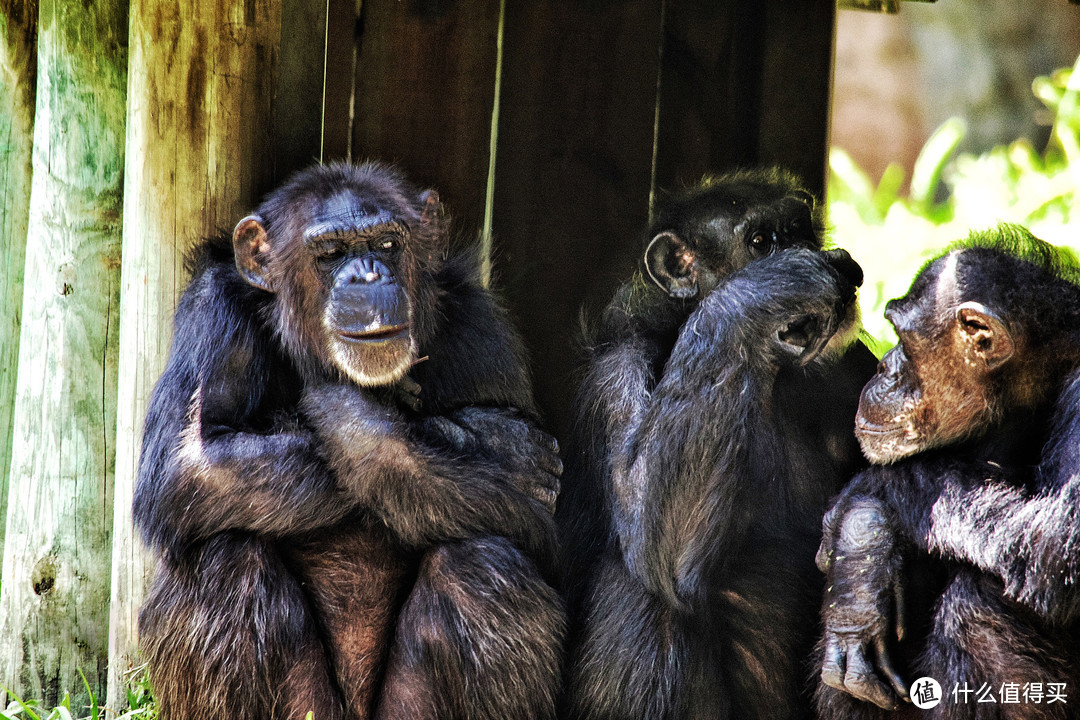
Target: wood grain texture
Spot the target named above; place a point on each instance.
(54, 599)
(203, 73)
(296, 117)
(745, 83)
(18, 63)
(573, 171)
(425, 87)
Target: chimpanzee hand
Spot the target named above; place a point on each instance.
(796, 300)
(863, 592)
(504, 436)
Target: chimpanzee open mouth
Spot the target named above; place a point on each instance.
(380, 334)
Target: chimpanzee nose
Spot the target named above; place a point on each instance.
(364, 271)
(844, 264)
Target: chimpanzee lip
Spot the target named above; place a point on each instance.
(870, 428)
(383, 333)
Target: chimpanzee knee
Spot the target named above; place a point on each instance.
(480, 637)
(227, 629)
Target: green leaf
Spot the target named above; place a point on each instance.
(938, 150)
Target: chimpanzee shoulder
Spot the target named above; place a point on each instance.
(471, 323)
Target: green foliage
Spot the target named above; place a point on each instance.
(140, 703)
(893, 235)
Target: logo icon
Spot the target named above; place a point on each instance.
(925, 693)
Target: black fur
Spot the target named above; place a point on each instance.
(978, 529)
(329, 547)
(704, 454)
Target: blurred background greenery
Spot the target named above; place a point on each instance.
(894, 225)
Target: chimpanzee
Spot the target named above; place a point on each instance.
(964, 538)
(342, 476)
(715, 423)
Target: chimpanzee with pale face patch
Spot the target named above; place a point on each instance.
(342, 476)
(715, 423)
(957, 556)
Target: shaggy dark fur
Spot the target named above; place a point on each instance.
(976, 521)
(714, 426)
(330, 535)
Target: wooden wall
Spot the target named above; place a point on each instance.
(601, 103)
(548, 126)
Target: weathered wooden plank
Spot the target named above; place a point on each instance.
(710, 107)
(796, 95)
(744, 83)
(18, 63)
(54, 599)
(339, 79)
(425, 87)
(572, 176)
(297, 109)
(198, 156)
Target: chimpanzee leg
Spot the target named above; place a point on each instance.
(630, 655)
(980, 644)
(229, 633)
(480, 637)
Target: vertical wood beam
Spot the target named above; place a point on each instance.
(18, 63)
(425, 88)
(573, 171)
(203, 73)
(54, 599)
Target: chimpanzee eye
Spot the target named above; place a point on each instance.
(760, 244)
(330, 256)
(387, 242)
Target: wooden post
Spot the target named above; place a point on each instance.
(18, 63)
(54, 600)
(198, 156)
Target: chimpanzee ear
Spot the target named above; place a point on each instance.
(985, 334)
(806, 197)
(432, 212)
(670, 264)
(251, 248)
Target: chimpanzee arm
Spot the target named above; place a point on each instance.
(613, 398)
(861, 556)
(1029, 541)
(426, 495)
(690, 453)
(205, 470)
(209, 462)
(1026, 533)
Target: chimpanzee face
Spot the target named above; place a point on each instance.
(938, 385)
(699, 240)
(345, 274)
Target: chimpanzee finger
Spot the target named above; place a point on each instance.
(861, 681)
(899, 618)
(824, 555)
(448, 431)
(543, 439)
(545, 490)
(547, 496)
(835, 664)
(823, 330)
(884, 663)
(551, 464)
